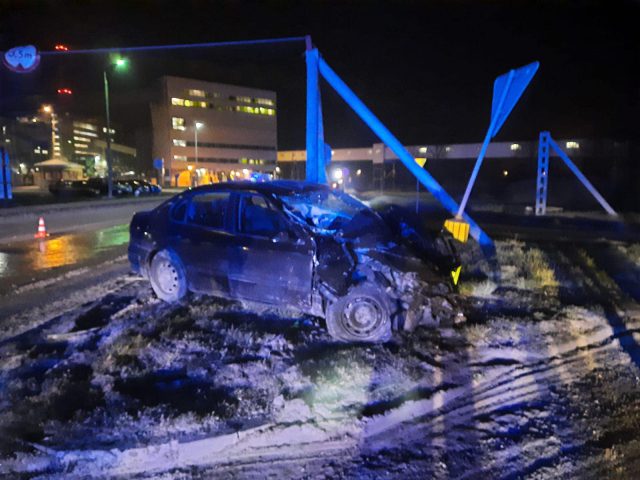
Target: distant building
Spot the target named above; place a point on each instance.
(27, 139)
(46, 135)
(236, 133)
(508, 173)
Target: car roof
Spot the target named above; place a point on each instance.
(277, 187)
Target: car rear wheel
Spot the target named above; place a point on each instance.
(362, 315)
(167, 277)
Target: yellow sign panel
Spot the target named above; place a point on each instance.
(455, 275)
(458, 228)
(421, 161)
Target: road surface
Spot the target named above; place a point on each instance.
(81, 237)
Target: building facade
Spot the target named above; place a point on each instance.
(204, 131)
(508, 173)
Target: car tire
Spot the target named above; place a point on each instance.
(167, 277)
(362, 315)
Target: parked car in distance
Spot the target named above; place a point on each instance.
(154, 189)
(73, 188)
(101, 184)
(295, 245)
(137, 187)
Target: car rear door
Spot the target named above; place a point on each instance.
(270, 263)
(201, 237)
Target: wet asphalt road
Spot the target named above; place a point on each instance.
(29, 261)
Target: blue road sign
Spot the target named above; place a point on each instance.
(507, 90)
(511, 86)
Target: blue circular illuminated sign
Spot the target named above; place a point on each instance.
(22, 59)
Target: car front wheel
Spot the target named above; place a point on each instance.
(362, 315)
(167, 277)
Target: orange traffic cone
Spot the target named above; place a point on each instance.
(42, 230)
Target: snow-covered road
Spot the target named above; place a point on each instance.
(542, 381)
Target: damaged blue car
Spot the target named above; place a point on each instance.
(295, 245)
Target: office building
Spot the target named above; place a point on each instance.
(205, 132)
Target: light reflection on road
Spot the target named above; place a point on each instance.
(23, 262)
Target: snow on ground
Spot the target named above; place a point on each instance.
(542, 381)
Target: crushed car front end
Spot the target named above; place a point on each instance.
(356, 249)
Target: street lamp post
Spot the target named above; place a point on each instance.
(196, 126)
(108, 151)
(120, 63)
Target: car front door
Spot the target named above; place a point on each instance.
(270, 263)
(201, 237)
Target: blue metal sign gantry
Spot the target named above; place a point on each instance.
(316, 161)
(544, 149)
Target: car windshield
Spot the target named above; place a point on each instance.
(324, 209)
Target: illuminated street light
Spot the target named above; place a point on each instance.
(47, 109)
(337, 174)
(358, 172)
(505, 173)
(121, 63)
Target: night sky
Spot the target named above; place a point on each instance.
(425, 68)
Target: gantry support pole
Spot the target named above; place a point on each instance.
(315, 168)
(394, 144)
(576, 171)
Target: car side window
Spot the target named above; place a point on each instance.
(178, 211)
(208, 209)
(258, 218)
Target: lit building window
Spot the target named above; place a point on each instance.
(422, 150)
(265, 101)
(45, 152)
(179, 143)
(515, 147)
(81, 139)
(181, 102)
(255, 110)
(86, 126)
(86, 134)
(178, 123)
(192, 92)
(573, 145)
(182, 158)
(80, 146)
